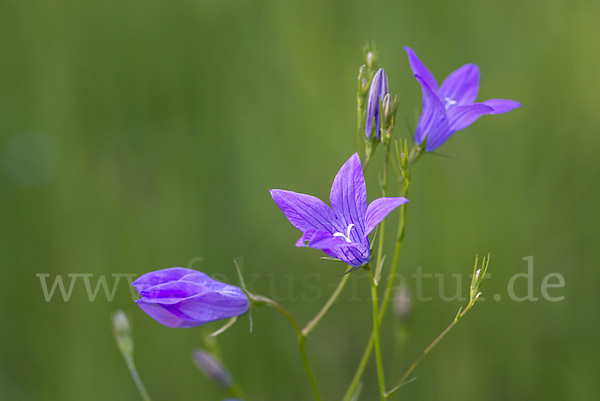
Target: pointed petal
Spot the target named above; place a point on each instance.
(461, 86)
(502, 105)
(379, 209)
(349, 196)
(459, 117)
(305, 212)
(433, 116)
(418, 68)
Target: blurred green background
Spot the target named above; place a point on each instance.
(137, 135)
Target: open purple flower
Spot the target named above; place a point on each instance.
(179, 297)
(451, 107)
(379, 88)
(342, 230)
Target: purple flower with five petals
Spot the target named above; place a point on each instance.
(379, 88)
(179, 297)
(451, 107)
(342, 230)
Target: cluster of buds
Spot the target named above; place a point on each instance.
(477, 278)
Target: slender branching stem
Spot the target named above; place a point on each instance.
(387, 295)
(385, 301)
(301, 340)
(307, 368)
(379, 361)
(384, 183)
(334, 297)
(429, 348)
(136, 378)
(268, 301)
(125, 344)
(360, 117)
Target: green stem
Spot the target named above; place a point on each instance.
(362, 365)
(380, 374)
(369, 152)
(359, 111)
(268, 301)
(379, 264)
(386, 298)
(136, 378)
(334, 297)
(301, 340)
(392, 276)
(429, 348)
(307, 368)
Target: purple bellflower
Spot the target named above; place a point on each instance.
(342, 230)
(179, 297)
(450, 107)
(379, 88)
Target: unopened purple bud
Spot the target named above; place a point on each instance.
(212, 368)
(379, 88)
(179, 297)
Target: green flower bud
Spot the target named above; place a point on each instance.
(388, 108)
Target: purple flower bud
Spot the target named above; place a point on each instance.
(212, 368)
(379, 88)
(179, 297)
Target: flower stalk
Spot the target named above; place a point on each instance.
(332, 299)
(122, 333)
(376, 339)
(262, 300)
(404, 180)
(476, 281)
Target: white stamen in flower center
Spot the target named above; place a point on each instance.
(449, 102)
(345, 236)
